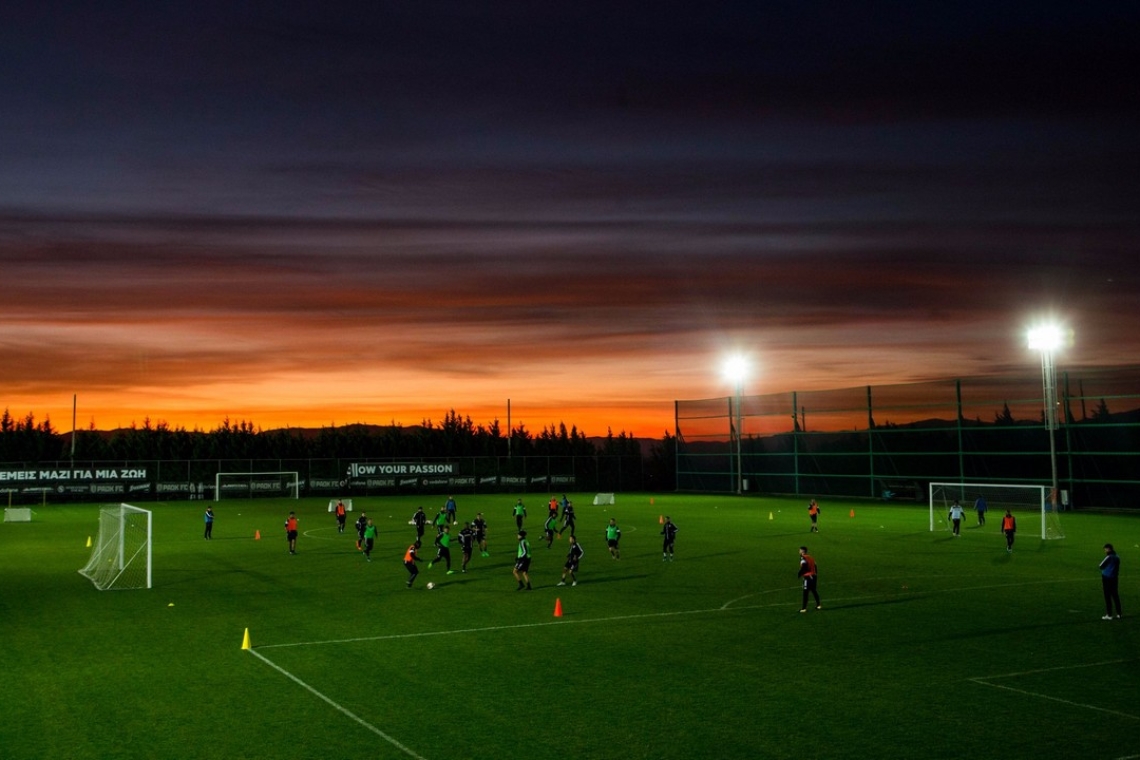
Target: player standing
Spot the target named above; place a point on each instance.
(956, 514)
(613, 539)
(813, 513)
(522, 563)
(341, 516)
(519, 512)
(1009, 528)
(810, 574)
(480, 526)
(1110, 581)
(452, 511)
(571, 567)
(361, 524)
(669, 530)
(419, 519)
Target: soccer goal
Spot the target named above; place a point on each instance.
(121, 554)
(1020, 500)
(603, 498)
(249, 485)
(346, 502)
(17, 514)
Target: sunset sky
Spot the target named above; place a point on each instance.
(304, 214)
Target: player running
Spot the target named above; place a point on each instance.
(410, 560)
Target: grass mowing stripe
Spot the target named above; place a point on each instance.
(338, 707)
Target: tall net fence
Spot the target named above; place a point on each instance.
(890, 441)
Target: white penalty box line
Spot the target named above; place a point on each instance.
(392, 740)
(987, 681)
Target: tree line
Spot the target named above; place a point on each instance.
(30, 441)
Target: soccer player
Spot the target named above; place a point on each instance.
(291, 532)
(669, 530)
(451, 510)
(813, 513)
(420, 520)
(810, 574)
(441, 520)
(1110, 581)
(443, 549)
(552, 507)
(341, 516)
(369, 539)
(1009, 528)
(613, 539)
(361, 524)
(567, 517)
(548, 527)
(981, 507)
(519, 512)
(522, 562)
(209, 523)
(466, 541)
(480, 526)
(571, 567)
(956, 514)
(410, 560)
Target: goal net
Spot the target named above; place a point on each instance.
(604, 498)
(1024, 502)
(121, 554)
(251, 485)
(17, 514)
(346, 502)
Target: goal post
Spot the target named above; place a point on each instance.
(122, 552)
(249, 485)
(999, 497)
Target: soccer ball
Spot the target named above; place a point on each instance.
(430, 586)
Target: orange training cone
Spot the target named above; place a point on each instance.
(245, 640)
(853, 513)
(660, 519)
(650, 500)
(557, 608)
(257, 535)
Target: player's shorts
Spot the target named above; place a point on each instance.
(809, 582)
(523, 564)
(291, 535)
(571, 566)
(612, 543)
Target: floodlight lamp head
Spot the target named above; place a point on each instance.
(736, 368)
(1046, 338)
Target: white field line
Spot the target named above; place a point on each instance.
(986, 681)
(340, 708)
(488, 629)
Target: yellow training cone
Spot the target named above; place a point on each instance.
(89, 542)
(770, 516)
(245, 640)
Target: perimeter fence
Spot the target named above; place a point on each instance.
(891, 441)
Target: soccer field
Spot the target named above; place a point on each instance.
(927, 646)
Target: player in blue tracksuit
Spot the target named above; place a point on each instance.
(1110, 581)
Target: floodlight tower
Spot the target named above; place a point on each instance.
(1048, 339)
(735, 369)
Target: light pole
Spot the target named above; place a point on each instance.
(1047, 339)
(735, 370)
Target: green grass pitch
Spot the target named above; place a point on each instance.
(927, 646)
